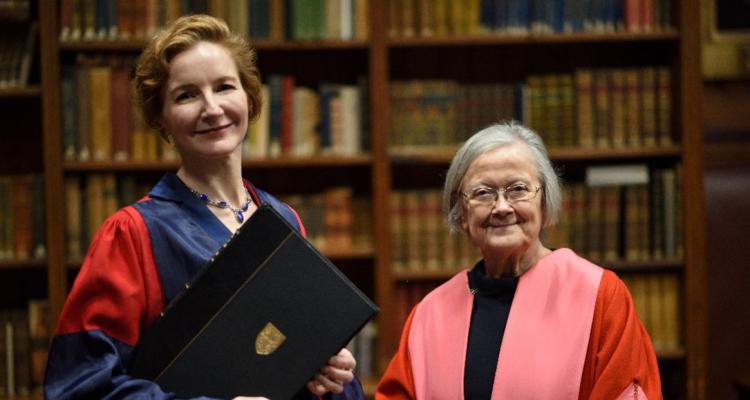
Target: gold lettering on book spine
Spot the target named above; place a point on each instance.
(268, 340)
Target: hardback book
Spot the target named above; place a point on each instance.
(265, 314)
(100, 113)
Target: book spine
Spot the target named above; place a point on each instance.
(38, 316)
(100, 112)
(120, 113)
(664, 106)
(584, 107)
(83, 107)
(22, 209)
(648, 106)
(68, 100)
(39, 237)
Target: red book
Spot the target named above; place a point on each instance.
(632, 15)
(120, 112)
(287, 110)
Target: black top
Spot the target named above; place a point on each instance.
(492, 300)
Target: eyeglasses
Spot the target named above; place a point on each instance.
(487, 196)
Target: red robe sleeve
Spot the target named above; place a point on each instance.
(620, 353)
(397, 382)
(117, 289)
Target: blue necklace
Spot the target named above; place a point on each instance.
(239, 212)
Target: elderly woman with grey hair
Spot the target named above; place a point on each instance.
(526, 321)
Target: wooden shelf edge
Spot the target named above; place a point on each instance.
(280, 162)
(665, 264)
(475, 40)
(670, 354)
(314, 161)
(493, 39)
(575, 153)
(23, 264)
(310, 44)
(33, 396)
(133, 45)
(444, 155)
(350, 254)
(21, 91)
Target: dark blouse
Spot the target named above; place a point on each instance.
(492, 300)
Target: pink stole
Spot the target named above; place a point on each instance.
(545, 341)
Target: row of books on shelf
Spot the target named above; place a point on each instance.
(656, 298)
(15, 10)
(17, 48)
(101, 122)
(22, 217)
(303, 121)
(89, 20)
(657, 302)
(425, 18)
(590, 108)
(24, 342)
(335, 219)
(443, 113)
(631, 220)
(92, 198)
(609, 222)
(420, 239)
(99, 119)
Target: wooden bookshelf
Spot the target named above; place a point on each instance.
(383, 59)
(22, 276)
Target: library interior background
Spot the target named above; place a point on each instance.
(644, 106)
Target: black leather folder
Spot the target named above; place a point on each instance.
(264, 315)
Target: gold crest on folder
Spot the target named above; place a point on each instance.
(268, 340)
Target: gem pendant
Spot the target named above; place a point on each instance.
(239, 212)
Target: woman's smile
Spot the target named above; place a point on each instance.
(214, 129)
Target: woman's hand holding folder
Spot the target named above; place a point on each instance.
(334, 375)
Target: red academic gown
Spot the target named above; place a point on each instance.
(619, 358)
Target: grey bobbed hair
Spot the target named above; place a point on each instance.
(492, 137)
